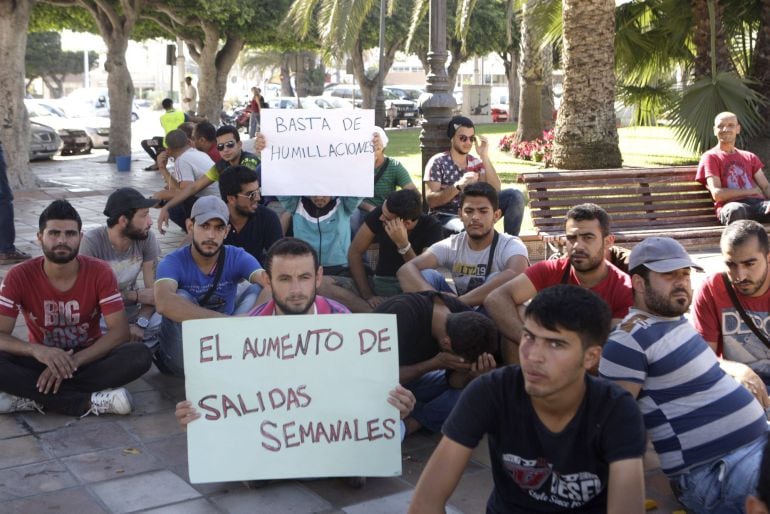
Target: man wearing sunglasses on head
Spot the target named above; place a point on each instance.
(447, 174)
(229, 147)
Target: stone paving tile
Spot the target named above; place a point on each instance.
(110, 464)
(282, 497)
(77, 439)
(144, 491)
(200, 506)
(17, 451)
(151, 427)
(66, 501)
(147, 402)
(40, 423)
(389, 505)
(472, 492)
(32, 479)
(172, 450)
(339, 494)
(12, 426)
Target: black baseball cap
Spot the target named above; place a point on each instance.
(125, 199)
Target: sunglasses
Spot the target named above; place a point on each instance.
(465, 139)
(229, 144)
(251, 195)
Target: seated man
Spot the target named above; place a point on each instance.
(707, 430)
(448, 173)
(128, 245)
(200, 280)
(729, 304)
(204, 138)
(401, 232)
(442, 345)
(479, 258)
(68, 366)
(389, 174)
(559, 439)
(169, 120)
(229, 145)
(733, 176)
(253, 227)
(588, 236)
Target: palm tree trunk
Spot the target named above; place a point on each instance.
(531, 79)
(702, 39)
(586, 136)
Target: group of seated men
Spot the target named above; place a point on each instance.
(559, 436)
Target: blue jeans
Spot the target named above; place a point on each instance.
(170, 355)
(511, 204)
(7, 230)
(721, 487)
(435, 399)
(438, 281)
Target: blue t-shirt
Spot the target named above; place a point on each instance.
(180, 267)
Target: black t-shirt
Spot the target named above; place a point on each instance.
(534, 469)
(425, 233)
(414, 314)
(262, 229)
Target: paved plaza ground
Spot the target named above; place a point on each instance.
(138, 463)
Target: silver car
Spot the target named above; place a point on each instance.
(44, 142)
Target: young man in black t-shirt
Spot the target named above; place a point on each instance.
(442, 345)
(559, 439)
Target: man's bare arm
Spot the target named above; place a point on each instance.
(625, 489)
(362, 240)
(436, 197)
(503, 303)
(725, 194)
(490, 174)
(513, 268)
(176, 308)
(440, 477)
(409, 276)
(117, 334)
(192, 189)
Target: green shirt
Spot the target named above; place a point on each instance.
(395, 175)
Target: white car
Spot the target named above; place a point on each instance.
(308, 102)
(74, 137)
(83, 115)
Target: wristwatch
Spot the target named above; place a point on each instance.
(142, 323)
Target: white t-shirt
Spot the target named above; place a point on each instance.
(469, 267)
(192, 165)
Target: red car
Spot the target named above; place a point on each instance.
(499, 113)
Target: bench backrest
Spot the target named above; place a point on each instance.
(636, 199)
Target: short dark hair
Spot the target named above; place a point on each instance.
(641, 270)
(480, 189)
(405, 203)
(176, 139)
(457, 122)
(471, 334)
(290, 246)
(167, 103)
(740, 232)
(589, 212)
(763, 486)
(113, 220)
(205, 130)
(572, 308)
(231, 180)
(188, 127)
(228, 129)
(59, 210)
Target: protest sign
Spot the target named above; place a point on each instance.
(292, 397)
(318, 152)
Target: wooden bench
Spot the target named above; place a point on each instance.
(641, 202)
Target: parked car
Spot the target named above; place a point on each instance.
(308, 102)
(44, 142)
(412, 93)
(99, 99)
(499, 113)
(85, 117)
(75, 140)
(405, 109)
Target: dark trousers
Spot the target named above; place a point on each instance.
(7, 230)
(180, 213)
(127, 362)
(153, 147)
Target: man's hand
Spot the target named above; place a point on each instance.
(185, 413)
(469, 177)
(145, 296)
(135, 333)
(396, 232)
(748, 379)
(402, 399)
(482, 146)
(60, 362)
(374, 301)
(162, 159)
(47, 382)
(446, 360)
(162, 220)
(259, 142)
(484, 364)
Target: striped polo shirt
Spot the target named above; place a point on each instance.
(693, 411)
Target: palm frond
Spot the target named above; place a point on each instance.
(650, 102)
(419, 12)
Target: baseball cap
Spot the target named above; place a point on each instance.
(125, 199)
(661, 255)
(209, 207)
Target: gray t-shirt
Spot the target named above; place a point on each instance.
(126, 265)
(469, 267)
(192, 165)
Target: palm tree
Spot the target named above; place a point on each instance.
(586, 136)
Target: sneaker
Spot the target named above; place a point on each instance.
(110, 401)
(13, 256)
(151, 167)
(10, 403)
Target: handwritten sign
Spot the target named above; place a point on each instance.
(292, 397)
(318, 152)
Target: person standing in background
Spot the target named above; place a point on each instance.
(9, 254)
